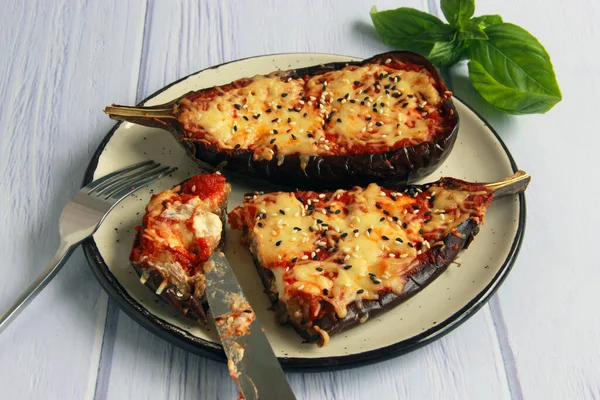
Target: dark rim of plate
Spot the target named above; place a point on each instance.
(211, 350)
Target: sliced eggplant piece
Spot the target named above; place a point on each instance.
(387, 119)
(332, 260)
(181, 229)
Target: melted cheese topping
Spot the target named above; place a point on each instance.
(348, 111)
(349, 245)
(180, 231)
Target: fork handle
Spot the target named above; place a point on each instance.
(64, 251)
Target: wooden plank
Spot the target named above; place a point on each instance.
(182, 38)
(62, 62)
(548, 331)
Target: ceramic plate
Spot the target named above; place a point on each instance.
(479, 155)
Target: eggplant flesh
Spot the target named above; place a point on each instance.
(397, 166)
(437, 261)
(193, 305)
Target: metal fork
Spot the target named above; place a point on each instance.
(82, 216)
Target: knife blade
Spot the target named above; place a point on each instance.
(251, 360)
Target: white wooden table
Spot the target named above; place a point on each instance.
(63, 61)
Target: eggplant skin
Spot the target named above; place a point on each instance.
(193, 307)
(439, 259)
(398, 167)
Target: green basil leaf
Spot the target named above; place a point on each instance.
(513, 71)
(446, 54)
(404, 28)
(458, 12)
(438, 33)
(486, 20)
(472, 31)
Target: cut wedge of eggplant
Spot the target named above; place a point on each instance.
(181, 229)
(387, 119)
(333, 260)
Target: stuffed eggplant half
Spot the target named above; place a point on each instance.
(332, 260)
(181, 229)
(389, 118)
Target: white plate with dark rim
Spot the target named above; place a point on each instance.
(479, 155)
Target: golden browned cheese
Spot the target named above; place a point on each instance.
(338, 112)
(373, 238)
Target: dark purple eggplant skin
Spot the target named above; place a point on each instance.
(191, 306)
(439, 259)
(397, 167)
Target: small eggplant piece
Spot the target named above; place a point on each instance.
(412, 235)
(388, 119)
(182, 227)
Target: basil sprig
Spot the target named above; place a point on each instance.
(508, 66)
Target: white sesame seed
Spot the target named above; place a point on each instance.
(389, 60)
(274, 232)
(304, 257)
(392, 255)
(404, 255)
(300, 287)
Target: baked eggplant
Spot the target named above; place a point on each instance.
(387, 119)
(181, 229)
(332, 260)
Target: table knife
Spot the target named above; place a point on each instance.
(251, 360)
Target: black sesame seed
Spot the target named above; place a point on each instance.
(378, 123)
(404, 105)
(382, 219)
(415, 207)
(420, 108)
(335, 250)
(393, 197)
(319, 269)
(264, 216)
(310, 207)
(305, 115)
(359, 291)
(382, 104)
(395, 218)
(357, 82)
(279, 107)
(259, 224)
(379, 206)
(386, 212)
(268, 110)
(275, 131)
(369, 230)
(297, 228)
(404, 225)
(352, 101)
(432, 199)
(385, 237)
(339, 120)
(294, 137)
(275, 147)
(420, 231)
(338, 211)
(294, 259)
(355, 231)
(410, 96)
(315, 257)
(257, 116)
(278, 243)
(343, 235)
(248, 311)
(275, 120)
(246, 118)
(281, 212)
(362, 103)
(319, 221)
(272, 140)
(427, 214)
(235, 128)
(325, 292)
(237, 146)
(311, 229)
(238, 106)
(284, 94)
(368, 119)
(310, 135)
(410, 244)
(347, 267)
(399, 240)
